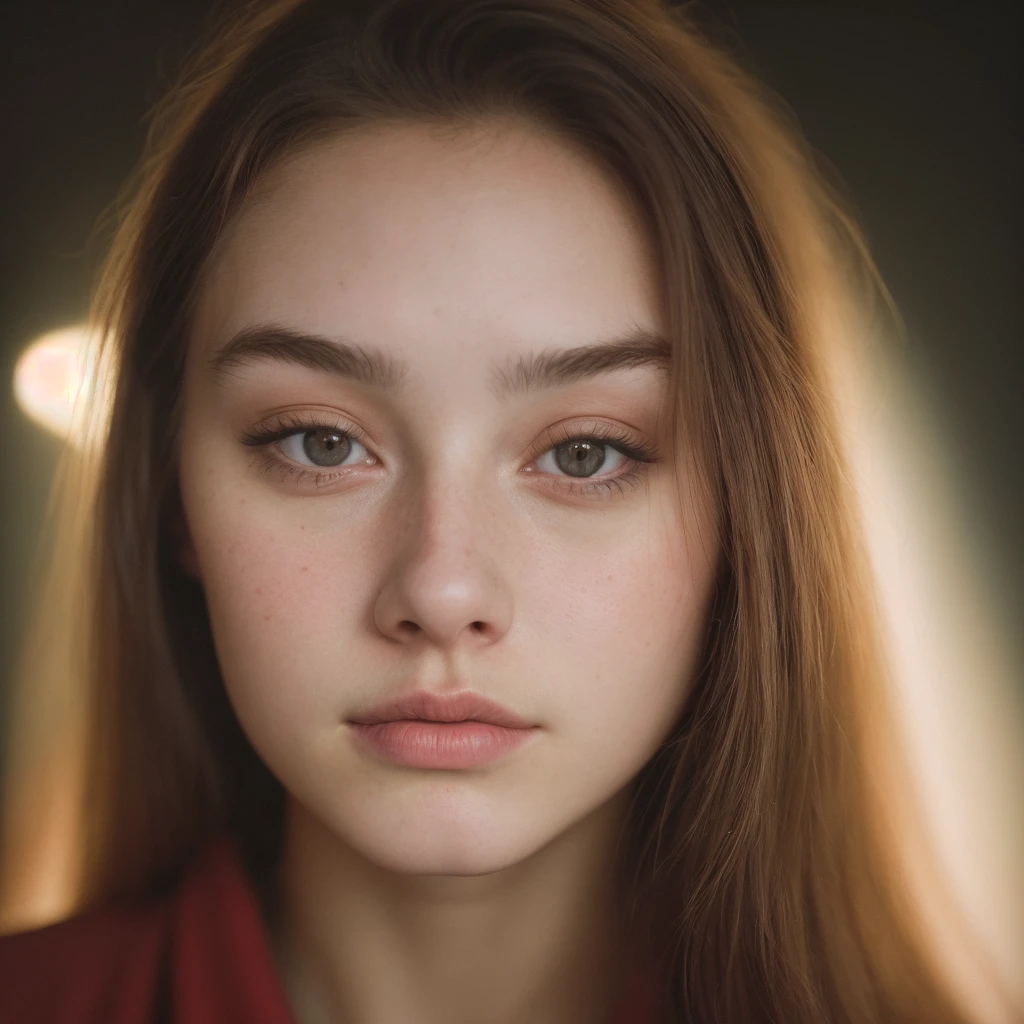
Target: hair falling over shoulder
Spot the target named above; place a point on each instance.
(763, 868)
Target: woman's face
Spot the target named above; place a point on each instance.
(436, 532)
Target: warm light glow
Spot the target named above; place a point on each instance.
(958, 695)
(54, 378)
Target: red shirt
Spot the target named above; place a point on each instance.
(202, 951)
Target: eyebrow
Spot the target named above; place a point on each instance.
(519, 375)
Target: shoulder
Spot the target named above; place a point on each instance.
(200, 945)
(102, 965)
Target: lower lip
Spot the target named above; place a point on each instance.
(417, 744)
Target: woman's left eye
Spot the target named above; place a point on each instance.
(571, 457)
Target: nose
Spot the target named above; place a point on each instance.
(448, 582)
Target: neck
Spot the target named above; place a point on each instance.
(538, 941)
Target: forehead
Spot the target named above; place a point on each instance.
(427, 242)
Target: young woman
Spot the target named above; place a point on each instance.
(475, 623)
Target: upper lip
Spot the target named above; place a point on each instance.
(426, 705)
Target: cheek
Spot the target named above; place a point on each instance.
(622, 630)
(284, 600)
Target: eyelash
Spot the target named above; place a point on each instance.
(640, 452)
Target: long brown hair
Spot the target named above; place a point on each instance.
(763, 854)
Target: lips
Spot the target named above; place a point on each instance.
(428, 706)
(449, 731)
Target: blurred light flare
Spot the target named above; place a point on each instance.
(55, 379)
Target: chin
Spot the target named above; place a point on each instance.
(440, 845)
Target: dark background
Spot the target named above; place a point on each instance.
(909, 101)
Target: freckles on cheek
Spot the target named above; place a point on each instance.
(275, 628)
(605, 587)
(281, 578)
(638, 613)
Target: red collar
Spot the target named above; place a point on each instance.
(204, 946)
(224, 971)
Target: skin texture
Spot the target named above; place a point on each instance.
(413, 894)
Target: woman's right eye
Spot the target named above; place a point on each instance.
(309, 451)
(324, 448)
